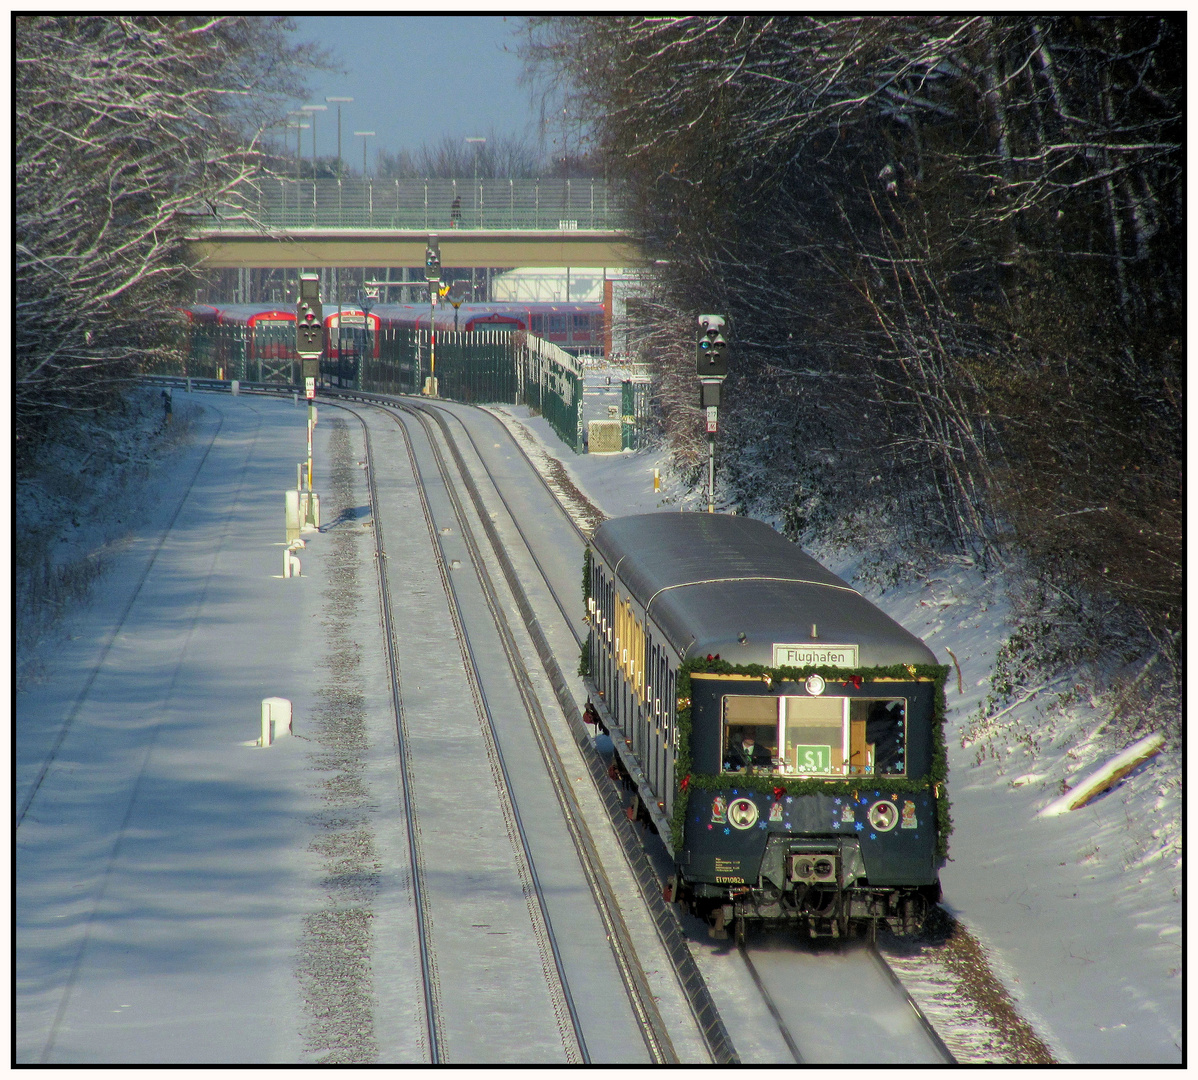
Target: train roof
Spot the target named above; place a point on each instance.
(705, 579)
(241, 314)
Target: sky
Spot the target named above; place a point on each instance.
(415, 79)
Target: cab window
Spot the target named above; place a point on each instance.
(804, 736)
(750, 733)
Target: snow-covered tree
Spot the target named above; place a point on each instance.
(950, 247)
(124, 126)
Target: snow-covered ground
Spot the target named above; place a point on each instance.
(1080, 914)
(162, 858)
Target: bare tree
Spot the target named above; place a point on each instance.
(496, 157)
(949, 245)
(125, 126)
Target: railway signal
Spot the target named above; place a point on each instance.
(432, 272)
(309, 326)
(309, 345)
(432, 260)
(711, 361)
(711, 350)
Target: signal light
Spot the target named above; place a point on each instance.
(432, 260)
(309, 318)
(711, 350)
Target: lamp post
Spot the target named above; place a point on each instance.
(365, 135)
(338, 101)
(299, 130)
(479, 143)
(312, 110)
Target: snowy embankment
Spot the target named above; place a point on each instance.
(1079, 914)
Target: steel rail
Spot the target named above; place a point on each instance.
(920, 1015)
(783, 1030)
(420, 899)
(649, 1019)
(482, 703)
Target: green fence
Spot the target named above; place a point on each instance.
(636, 397)
(209, 351)
(550, 381)
(483, 367)
(473, 367)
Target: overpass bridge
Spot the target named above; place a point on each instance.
(284, 224)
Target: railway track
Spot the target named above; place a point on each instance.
(476, 611)
(719, 1046)
(463, 534)
(841, 1005)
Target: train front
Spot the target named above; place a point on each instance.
(813, 800)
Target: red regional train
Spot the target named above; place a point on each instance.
(255, 342)
(577, 328)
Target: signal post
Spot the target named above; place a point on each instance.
(432, 274)
(309, 347)
(711, 361)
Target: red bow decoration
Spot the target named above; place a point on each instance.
(855, 680)
(779, 792)
(685, 782)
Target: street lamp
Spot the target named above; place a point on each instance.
(312, 110)
(365, 135)
(338, 101)
(299, 130)
(479, 143)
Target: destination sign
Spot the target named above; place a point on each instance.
(815, 655)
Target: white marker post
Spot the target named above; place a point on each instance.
(276, 719)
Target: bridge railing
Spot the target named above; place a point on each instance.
(429, 205)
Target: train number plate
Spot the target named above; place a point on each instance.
(813, 759)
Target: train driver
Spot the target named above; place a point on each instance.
(744, 752)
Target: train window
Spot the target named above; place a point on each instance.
(879, 735)
(815, 736)
(814, 730)
(750, 732)
(556, 324)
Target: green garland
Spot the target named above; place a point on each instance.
(935, 781)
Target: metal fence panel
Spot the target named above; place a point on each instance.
(551, 382)
(481, 367)
(434, 204)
